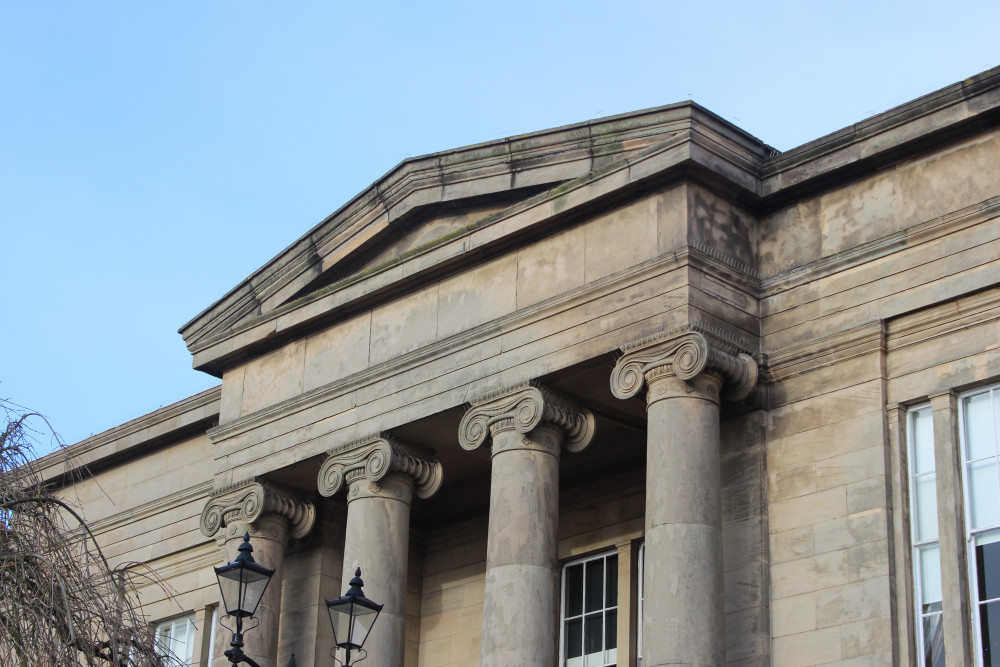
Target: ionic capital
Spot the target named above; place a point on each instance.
(522, 408)
(373, 457)
(685, 355)
(248, 501)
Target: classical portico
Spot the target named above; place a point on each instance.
(709, 523)
(684, 374)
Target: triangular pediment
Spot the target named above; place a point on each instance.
(428, 198)
(425, 228)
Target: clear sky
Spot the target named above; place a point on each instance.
(152, 155)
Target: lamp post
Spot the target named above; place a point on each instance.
(352, 617)
(242, 583)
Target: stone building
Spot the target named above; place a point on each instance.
(640, 390)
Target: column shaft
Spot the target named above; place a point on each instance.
(377, 541)
(683, 612)
(520, 608)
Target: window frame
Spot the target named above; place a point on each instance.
(640, 599)
(917, 545)
(160, 630)
(601, 555)
(972, 534)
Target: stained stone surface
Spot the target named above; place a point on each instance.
(522, 570)
(858, 271)
(377, 541)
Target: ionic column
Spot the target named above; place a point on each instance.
(528, 426)
(270, 513)
(683, 621)
(382, 473)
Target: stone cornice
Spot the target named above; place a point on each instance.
(684, 256)
(687, 352)
(523, 407)
(133, 437)
(680, 139)
(818, 353)
(247, 501)
(133, 515)
(878, 139)
(943, 319)
(169, 564)
(375, 456)
(373, 286)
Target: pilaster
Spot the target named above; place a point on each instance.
(956, 603)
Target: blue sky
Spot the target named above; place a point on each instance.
(152, 155)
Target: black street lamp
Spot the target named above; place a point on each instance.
(242, 583)
(352, 617)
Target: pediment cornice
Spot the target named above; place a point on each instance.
(700, 146)
(561, 161)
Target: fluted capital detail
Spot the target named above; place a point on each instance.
(686, 355)
(374, 457)
(522, 408)
(249, 500)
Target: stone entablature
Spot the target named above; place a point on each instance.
(136, 437)
(522, 408)
(245, 502)
(377, 456)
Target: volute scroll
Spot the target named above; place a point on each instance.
(686, 355)
(522, 408)
(376, 456)
(247, 501)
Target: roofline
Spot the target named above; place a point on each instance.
(765, 180)
(141, 435)
(776, 172)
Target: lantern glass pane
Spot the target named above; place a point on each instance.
(229, 584)
(340, 621)
(242, 589)
(255, 583)
(364, 618)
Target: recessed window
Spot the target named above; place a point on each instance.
(589, 626)
(175, 641)
(979, 416)
(924, 532)
(642, 599)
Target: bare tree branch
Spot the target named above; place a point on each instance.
(61, 603)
